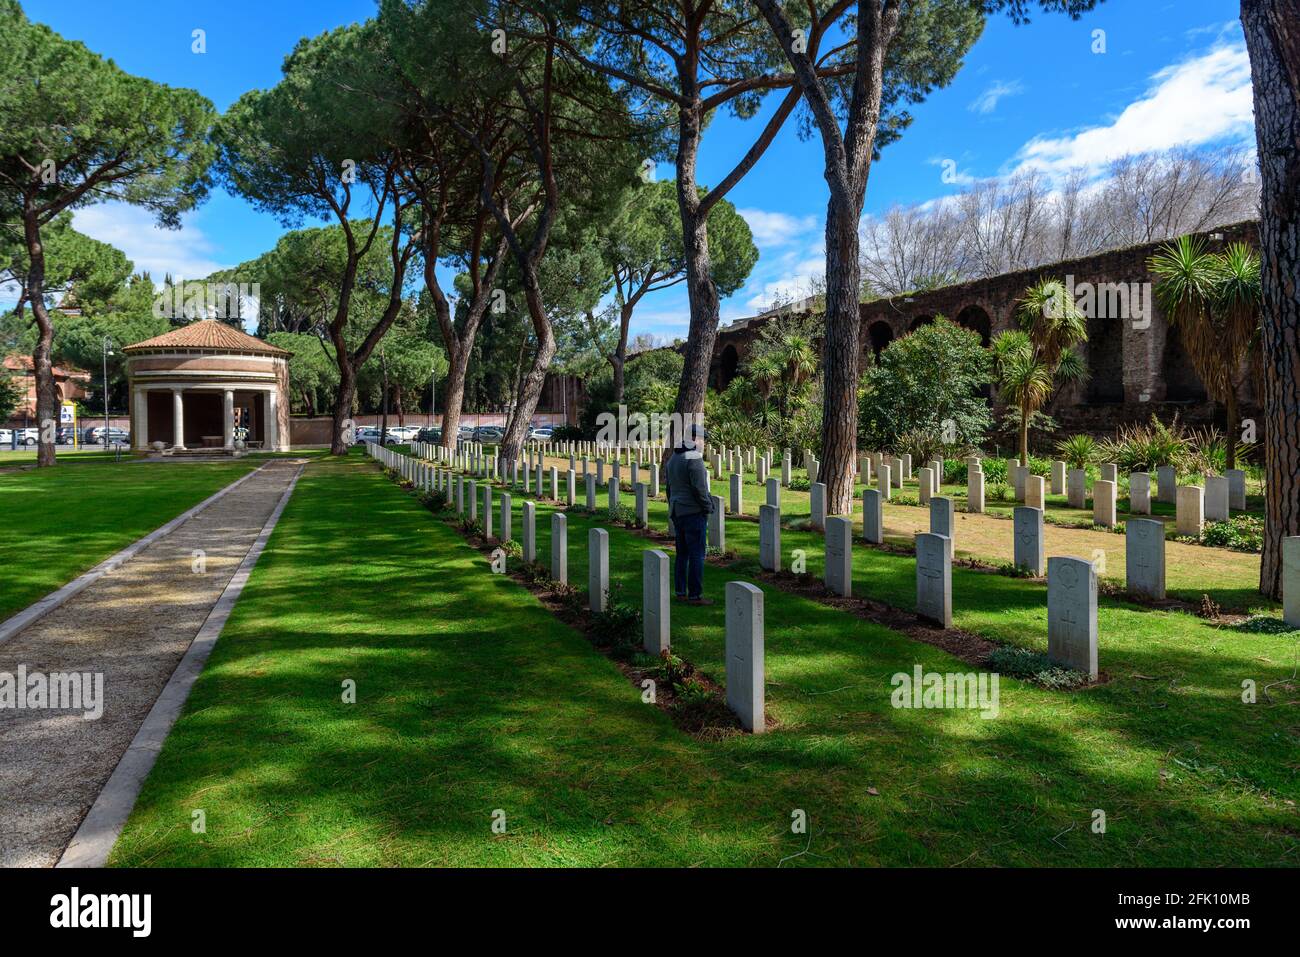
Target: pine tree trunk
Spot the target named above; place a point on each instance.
(700, 291)
(619, 360)
(1272, 33)
(841, 351)
(47, 393)
(343, 407)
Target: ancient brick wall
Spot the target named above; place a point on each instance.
(1137, 366)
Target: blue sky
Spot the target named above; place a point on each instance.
(1172, 73)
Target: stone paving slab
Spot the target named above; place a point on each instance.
(133, 626)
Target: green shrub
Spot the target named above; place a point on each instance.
(618, 627)
(1243, 533)
(512, 548)
(1036, 668)
(1263, 625)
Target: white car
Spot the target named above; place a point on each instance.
(29, 436)
(6, 438)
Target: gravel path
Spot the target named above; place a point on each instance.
(133, 626)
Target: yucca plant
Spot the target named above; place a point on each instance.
(1078, 451)
(1214, 301)
(1142, 448)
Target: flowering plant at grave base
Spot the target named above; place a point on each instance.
(1034, 667)
(998, 492)
(799, 484)
(622, 515)
(1012, 570)
(904, 500)
(1243, 533)
(618, 627)
(471, 528)
(1263, 625)
(434, 501)
(512, 548)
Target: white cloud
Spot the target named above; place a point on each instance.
(1202, 100)
(987, 101)
(185, 253)
(776, 229)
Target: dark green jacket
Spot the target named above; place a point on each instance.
(688, 484)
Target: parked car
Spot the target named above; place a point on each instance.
(95, 434)
(489, 433)
(430, 436)
(543, 432)
(368, 433)
(6, 438)
(28, 436)
(403, 433)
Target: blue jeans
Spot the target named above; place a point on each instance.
(688, 567)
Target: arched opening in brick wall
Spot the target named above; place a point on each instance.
(728, 362)
(1182, 384)
(880, 334)
(920, 321)
(1105, 355)
(976, 319)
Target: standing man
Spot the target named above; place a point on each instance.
(690, 505)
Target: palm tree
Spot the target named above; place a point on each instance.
(1030, 362)
(798, 361)
(1214, 300)
(764, 371)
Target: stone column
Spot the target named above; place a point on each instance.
(139, 419)
(228, 419)
(272, 421)
(178, 420)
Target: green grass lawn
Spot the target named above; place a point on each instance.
(61, 521)
(472, 697)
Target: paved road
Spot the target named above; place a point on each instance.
(132, 626)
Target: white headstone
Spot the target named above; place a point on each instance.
(717, 525)
(873, 516)
(1103, 503)
(1236, 489)
(934, 579)
(507, 518)
(975, 492)
(642, 504)
(1058, 478)
(839, 555)
(1035, 491)
(597, 569)
(1190, 514)
(1076, 488)
(1216, 498)
(530, 531)
(817, 504)
(925, 485)
(613, 493)
(654, 599)
(1144, 557)
(943, 520)
(1167, 484)
(1028, 551)
(1072, 614)
(559, 544)
(769, 538)
(487, 511)
(737, 495)
(591, 492)
(1291, 580)
(744, 649)
(883, 480)
(773, 493)
(1139, 493)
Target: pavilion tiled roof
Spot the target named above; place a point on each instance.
(208, 334)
